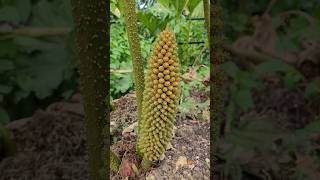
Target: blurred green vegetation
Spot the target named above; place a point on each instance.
(273, 54)
(192, 47)
(36, 56)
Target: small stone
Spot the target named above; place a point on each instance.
(162, 157)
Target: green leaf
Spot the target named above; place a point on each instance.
(8, 49)
(231, 69)
(257, 133)
(179, 5)
(5, 89)
(152, 22)
(125, 83)
(272, 67)
(192, 4)
(54, 13)
(20, 94)
(4, 116)
(291, 79)
(6, 65)
(38, 74)
(24, 8)
(243, 99)
(198, 11)
(233, 170)
(164, 3)
(312, 88)
(238, 22)
(114, 9)
(286, 44)
(30, 44)
(9, 13)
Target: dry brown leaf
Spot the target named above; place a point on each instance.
(130, 128)
(182, 161)
(125, 169)
(135, 169)
(189, 162)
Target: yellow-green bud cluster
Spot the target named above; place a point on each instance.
(160, 97)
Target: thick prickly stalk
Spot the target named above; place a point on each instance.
(135, 50)
(160, 98)
(91, 35)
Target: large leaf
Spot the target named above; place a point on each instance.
(5, 89)
(52, 14)
(198, 11)
(8, 49)
(152, 22)
(313, 88)
(24, 8)
(9, 13)
(179, 5)
(258, 133)
(244, 99)
(43, 73)
(192, 4)
(164, 3)
(30, 44)
(6, 65)
(231, 69)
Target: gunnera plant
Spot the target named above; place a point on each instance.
(160, 98)
(157, 91)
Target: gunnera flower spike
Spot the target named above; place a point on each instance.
(160, 98)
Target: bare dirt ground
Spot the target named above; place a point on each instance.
(51, 145)
(188, 158)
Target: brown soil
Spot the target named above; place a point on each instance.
(191, 141)
(51, 145)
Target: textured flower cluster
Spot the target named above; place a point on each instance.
(160, 97)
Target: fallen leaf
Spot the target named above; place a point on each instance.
(189, 162)
(150, 177)
(130, 128)
(182, 161)
(113, 127)
(206, 115)
(208, 162)
(125, 169)
(135, 169)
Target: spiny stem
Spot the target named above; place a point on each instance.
(91, 29)
(135, 50)
(206, 10)
(216, 74)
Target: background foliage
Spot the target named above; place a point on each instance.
(37, 63)
(36, 55)
(263, 136)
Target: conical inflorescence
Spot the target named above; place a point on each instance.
(160, 98)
